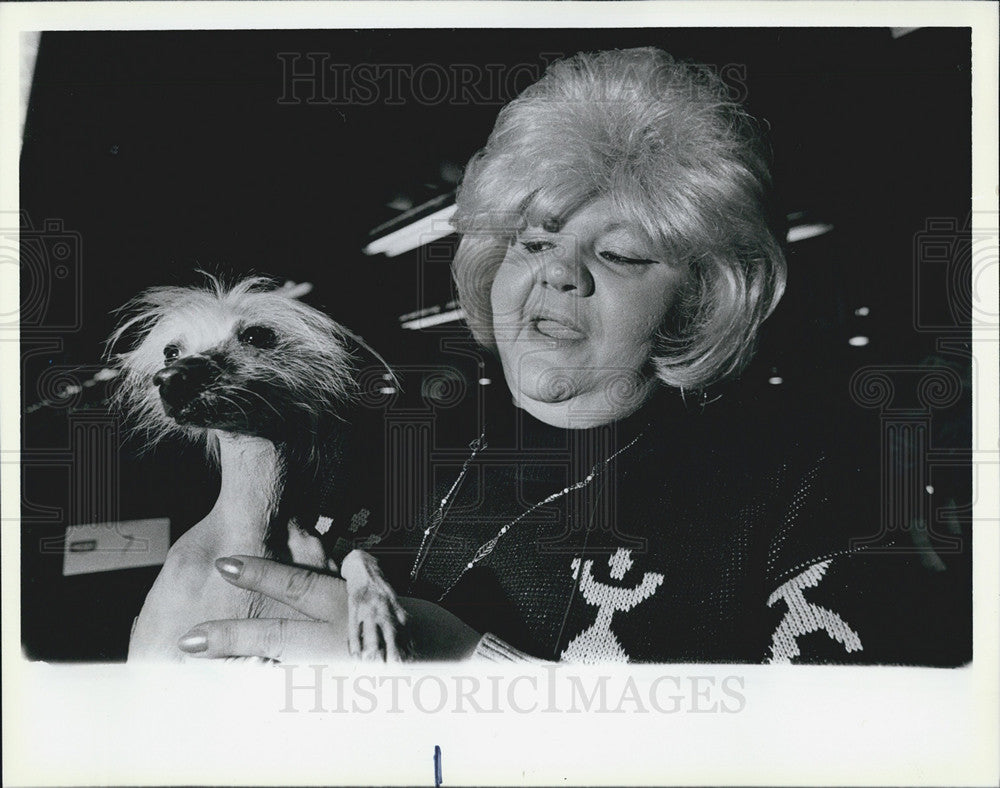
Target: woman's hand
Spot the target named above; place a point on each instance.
(321, 598)
(436, 634)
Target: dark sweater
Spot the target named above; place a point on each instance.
(710, 538)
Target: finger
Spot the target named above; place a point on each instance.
(400, 615)
(370, 641)
(272, 638)
(353, 632)
(317, 595)
(389, 636)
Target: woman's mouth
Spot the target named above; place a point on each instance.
(555, 328)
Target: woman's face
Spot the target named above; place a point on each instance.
(575, 313)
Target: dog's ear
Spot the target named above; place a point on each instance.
(126, 336)
(139, 315)
(137, 319)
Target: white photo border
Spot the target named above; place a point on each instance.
(104, 724)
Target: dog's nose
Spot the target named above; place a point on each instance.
(184, 379)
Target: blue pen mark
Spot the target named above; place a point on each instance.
(437, 766)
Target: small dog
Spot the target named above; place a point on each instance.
(262, 379)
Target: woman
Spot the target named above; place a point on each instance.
(618, 256)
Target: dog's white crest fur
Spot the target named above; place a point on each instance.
(311, 362)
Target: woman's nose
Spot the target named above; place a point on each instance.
(567, 274)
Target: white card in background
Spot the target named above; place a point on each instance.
(103, 547)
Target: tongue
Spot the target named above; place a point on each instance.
(558, 330)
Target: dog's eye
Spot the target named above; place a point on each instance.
(171, 352)
(258, 336)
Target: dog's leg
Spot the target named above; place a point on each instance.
(375, 619)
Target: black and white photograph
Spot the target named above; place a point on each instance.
(418, 373)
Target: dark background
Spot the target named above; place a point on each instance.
(147, 155)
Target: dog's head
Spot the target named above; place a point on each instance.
(245, 359)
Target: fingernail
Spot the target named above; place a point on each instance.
(193, 642)
(230, 567)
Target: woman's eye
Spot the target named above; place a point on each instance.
(171, 352)
(259, 337)
(613, 257)
(534, 247)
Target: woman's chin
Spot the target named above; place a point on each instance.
(563, 402)
(537, 378)
(549, 389)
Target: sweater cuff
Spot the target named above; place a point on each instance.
(493, 649)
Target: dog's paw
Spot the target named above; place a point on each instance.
(376, 622)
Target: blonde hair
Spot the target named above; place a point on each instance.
(665, 142)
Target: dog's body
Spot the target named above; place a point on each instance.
(264, 380)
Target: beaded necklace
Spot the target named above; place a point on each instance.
(485, 549)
